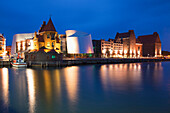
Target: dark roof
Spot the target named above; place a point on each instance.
(52, 51)
(149, 38)
(43, 47)
(40, 38)
(48, 27)
(122, 35)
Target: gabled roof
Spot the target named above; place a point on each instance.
(149, 38)
(48, 27)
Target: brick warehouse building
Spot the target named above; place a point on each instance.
(124, 45)
(151, 45)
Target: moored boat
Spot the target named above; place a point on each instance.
(19, 62)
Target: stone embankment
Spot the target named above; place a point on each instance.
(85, 61)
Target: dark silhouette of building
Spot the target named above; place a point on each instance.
(97, 47)
(151, 45)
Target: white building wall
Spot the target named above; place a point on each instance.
(20, 37)
(78, 42)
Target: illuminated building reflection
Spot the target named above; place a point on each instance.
(57, 81)
(121, 76)
(157, 73)
(71, 77)
(4, 74)
(31, 90)
(47, 83)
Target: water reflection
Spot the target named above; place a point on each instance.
(48, 84)
(31, 90)
(121, 76)
(129, 76)
(71, 76)
(57, 82)
(76, 88)
(4, 74)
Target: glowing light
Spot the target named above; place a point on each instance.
(111, 51)
(23, 46)
(19, 44)
(120, 51)
(160, 52)
(125, 51)
(130, 51)
(104, 51)
(31, 44)
(116, 52)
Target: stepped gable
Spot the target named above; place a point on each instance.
(48, 27)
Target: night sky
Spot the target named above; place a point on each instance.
(101, 18)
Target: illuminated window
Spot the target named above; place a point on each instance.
(48, 44)
(23, 45)
(19, 46)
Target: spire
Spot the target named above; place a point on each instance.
(49, 26)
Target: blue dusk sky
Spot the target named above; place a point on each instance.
(101, 18)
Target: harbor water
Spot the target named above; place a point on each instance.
(106, 88)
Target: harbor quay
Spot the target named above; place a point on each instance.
(85, 61)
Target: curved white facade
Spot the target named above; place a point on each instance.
(18, 38)
(78, 42)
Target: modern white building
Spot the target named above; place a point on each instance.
(78, 42)
(22, 42)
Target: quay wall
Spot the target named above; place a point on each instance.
(85, 61)
(5, 63)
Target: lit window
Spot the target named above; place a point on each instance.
(48, 44)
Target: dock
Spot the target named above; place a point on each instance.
(5, 63)
(86, 61)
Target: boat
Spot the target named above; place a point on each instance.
(19, 62)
